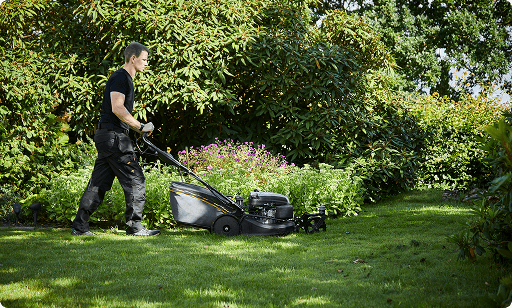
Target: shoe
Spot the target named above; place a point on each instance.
(143, 232)
(76, 232)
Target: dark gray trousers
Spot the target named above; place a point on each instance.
(116, 158)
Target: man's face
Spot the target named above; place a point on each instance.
(141, 62)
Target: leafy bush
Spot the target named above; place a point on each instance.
(8, 197)
(492, 227)
(307, 188)
(236, 169)
(383, 142)
(339, 190)
(491, 230)
(453, 157)
(257, 70)
(157, 209)
(62, 197)
(33, 140)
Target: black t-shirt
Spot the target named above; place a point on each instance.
(120, 81)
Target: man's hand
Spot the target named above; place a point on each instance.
(148, 128)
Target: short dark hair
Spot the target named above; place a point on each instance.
(134, 49)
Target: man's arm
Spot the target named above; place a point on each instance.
(122, 113)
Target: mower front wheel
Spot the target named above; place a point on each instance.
(227, 225)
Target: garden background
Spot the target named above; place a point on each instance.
(334, 103)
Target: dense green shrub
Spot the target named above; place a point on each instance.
(254, 69)
(237, 168)
(8, 197)
(257, 70)
(339, 190)
(34, 119)
(33, 141)
(63, 194)
(383, 142)
(492, 227)
(307, 188)
(453, 157)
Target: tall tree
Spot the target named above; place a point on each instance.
(432, 39)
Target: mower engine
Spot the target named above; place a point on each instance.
(271, 208)
(268, 206)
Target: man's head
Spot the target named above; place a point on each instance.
(134, 49)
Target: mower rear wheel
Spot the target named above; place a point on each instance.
(226, 225)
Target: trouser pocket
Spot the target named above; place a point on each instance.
(104, 141)
(125, 143)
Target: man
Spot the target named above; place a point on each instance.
(116, 156)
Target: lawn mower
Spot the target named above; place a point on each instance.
(205, 207)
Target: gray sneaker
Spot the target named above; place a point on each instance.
(143, 232)
(76, 232)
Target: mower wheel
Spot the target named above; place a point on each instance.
(226, 225)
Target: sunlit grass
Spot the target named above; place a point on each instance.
(404, 260)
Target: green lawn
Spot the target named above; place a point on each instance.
(404, 260)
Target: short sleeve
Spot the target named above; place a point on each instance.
(119, 84)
